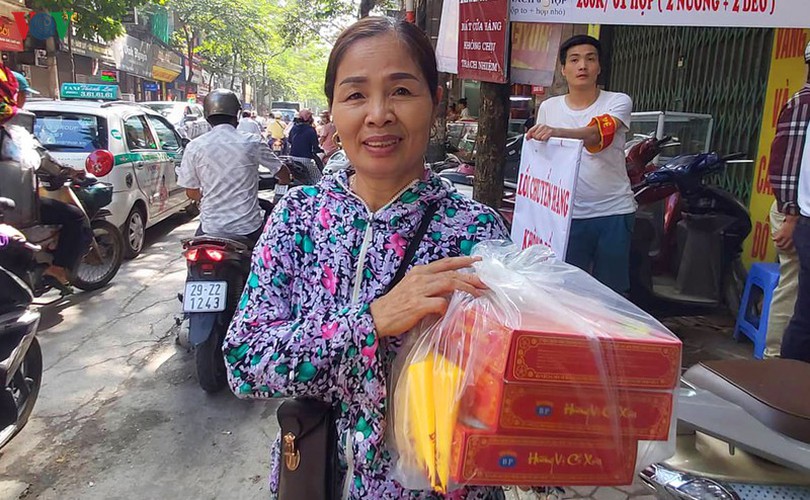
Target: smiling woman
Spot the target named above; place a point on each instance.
(348, 266)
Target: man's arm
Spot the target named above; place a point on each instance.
(589, 135)
(786, 154)
(599, 133)
(187, 175)
(194, 194)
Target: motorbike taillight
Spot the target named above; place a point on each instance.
(192, 254)
(202, 254)
(213, 254)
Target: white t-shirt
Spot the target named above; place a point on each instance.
(804, 178)
(603, 187)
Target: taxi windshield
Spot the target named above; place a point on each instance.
(70, 132)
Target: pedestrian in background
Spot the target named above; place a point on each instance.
(463, 110)
(316, 318)
(789, 175)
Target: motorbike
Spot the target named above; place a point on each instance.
(743, 433)
(218, 268)
(20, 354)
(687, 240)
(104, 252)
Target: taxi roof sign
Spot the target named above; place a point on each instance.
(89, 91)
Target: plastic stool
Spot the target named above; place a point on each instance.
(765, 277)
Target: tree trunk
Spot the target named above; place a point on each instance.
(190, 47)
(365, 7)
(490, 154)
(53, 69)
(233, 71)
(70, 50)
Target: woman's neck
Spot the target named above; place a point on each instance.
(378, 192)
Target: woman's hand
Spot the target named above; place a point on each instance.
(425, 290)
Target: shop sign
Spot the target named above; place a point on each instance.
(167, 65)
(109, 76)
(150, 87)
(721, 13)
(787, 75)
(88, 48)
(133, 56)
(534, 52)
(483, 40)
(10, 39)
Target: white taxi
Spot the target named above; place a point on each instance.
(130, 146)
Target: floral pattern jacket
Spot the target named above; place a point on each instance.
(303, 326)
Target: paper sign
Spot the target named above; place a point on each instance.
(483, 40)
(545, 193)
(722, 13)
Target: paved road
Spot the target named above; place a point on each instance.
(120, 414)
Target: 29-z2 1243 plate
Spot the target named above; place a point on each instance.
(205, 296)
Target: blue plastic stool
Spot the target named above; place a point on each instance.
(765, 277)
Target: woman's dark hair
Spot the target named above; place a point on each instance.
(579, 40)
(415, 41)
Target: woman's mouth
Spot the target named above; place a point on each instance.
(381, 145)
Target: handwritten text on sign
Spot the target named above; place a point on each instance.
(545, 192)
(727, 13)
(482, 40)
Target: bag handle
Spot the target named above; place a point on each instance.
(413, 246)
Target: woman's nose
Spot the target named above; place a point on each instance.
(380, 112)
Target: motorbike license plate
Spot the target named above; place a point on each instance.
(205, 296)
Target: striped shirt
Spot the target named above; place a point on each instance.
(224, 165)
(787, 150)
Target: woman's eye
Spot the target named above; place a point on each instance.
(356, 95)
(402, 91)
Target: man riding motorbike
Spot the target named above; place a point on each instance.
(75, 234)
(220, 169)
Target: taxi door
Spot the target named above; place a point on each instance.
(149, 163)
(170, 145)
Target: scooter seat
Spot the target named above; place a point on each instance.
(773, 391)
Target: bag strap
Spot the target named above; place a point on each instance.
(413, 246)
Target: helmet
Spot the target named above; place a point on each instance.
(222, 102)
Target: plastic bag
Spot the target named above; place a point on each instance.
(549, 379)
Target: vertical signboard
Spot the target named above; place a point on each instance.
(787, 75)
(483, 39)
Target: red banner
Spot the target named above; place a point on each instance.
(10, 39)
(483, 39)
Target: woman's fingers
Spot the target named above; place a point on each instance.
(447, 264)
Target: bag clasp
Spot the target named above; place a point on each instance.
(292, 457)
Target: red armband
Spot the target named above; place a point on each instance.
(607, 131)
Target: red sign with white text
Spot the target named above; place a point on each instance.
(482, 40)
(10, 39)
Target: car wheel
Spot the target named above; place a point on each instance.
(134, 231)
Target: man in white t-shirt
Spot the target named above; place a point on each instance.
(604, 207)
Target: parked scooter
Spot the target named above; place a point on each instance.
(743, 433)
(20, 354)
(688, 236)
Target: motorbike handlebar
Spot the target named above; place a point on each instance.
(732, 156)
